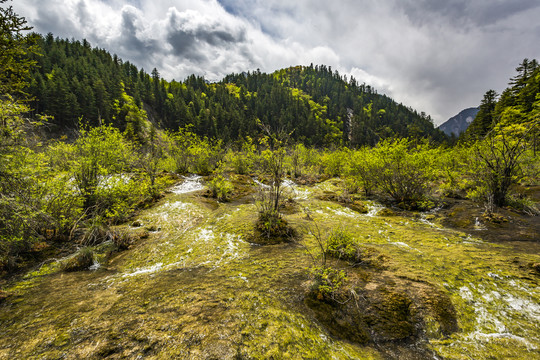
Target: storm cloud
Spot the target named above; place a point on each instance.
(436, 56)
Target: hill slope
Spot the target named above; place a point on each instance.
(459, 123)
(318, 106)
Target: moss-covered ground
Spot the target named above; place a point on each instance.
(196, 288)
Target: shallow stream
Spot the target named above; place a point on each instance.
(196, 289)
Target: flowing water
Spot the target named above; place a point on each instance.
(197, 289)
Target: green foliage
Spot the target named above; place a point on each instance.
(21, 168)
(193, 154)
(15, 47)
(404, 169)
(220, 187)
(151, 158)
(328, 282)
(451, 166)
(118, 195)
(340, 245)
(311, 103)
(60, 203)
(129, 116)
(485, 118)
(497, 164)
(362, 167)
(520, 101)
(242, 161)
(334, 162)
(98, 153)
(303, 161)
(272, 228)
(98, 176)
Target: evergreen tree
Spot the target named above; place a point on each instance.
(485, 118)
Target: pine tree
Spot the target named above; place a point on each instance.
(485, 118)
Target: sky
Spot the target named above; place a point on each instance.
(437, 56)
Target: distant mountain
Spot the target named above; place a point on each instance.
(459, 123)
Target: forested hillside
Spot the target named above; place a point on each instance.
(318, 106)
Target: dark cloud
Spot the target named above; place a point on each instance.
(83, 14)
(184, 44)
(48, 19)
(464, 12)
(494, 11)
(191, 34)
(131, 41)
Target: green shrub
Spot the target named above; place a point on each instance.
(242, 161)
(404, 169)
(351, 185)
(340, 245)
(194, 154)
(525, 204)
(327, 282)
(272, 228)
(334, 162)
(220, 187)
(96, 232)
(362, 167)
(497, 163)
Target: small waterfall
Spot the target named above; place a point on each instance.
(373, 209)
(190, 184)
(478, 225)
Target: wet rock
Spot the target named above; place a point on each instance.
(366, 316)
(137, 223)
(82, 260)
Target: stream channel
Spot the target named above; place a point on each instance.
(197, 289)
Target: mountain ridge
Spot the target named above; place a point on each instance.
(460, 122)
(75, 80)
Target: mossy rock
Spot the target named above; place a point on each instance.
(137, 223)
(337, 320)
(328, 196)
(152, 228)
(536, 267)
(358, 206)
(386, 212)
(366, 316)
(82, 260)
(3, 296)
(358, 255)
(495, 218)
(440, 317)
(392, 316)
(385, 309)
(289, 206)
